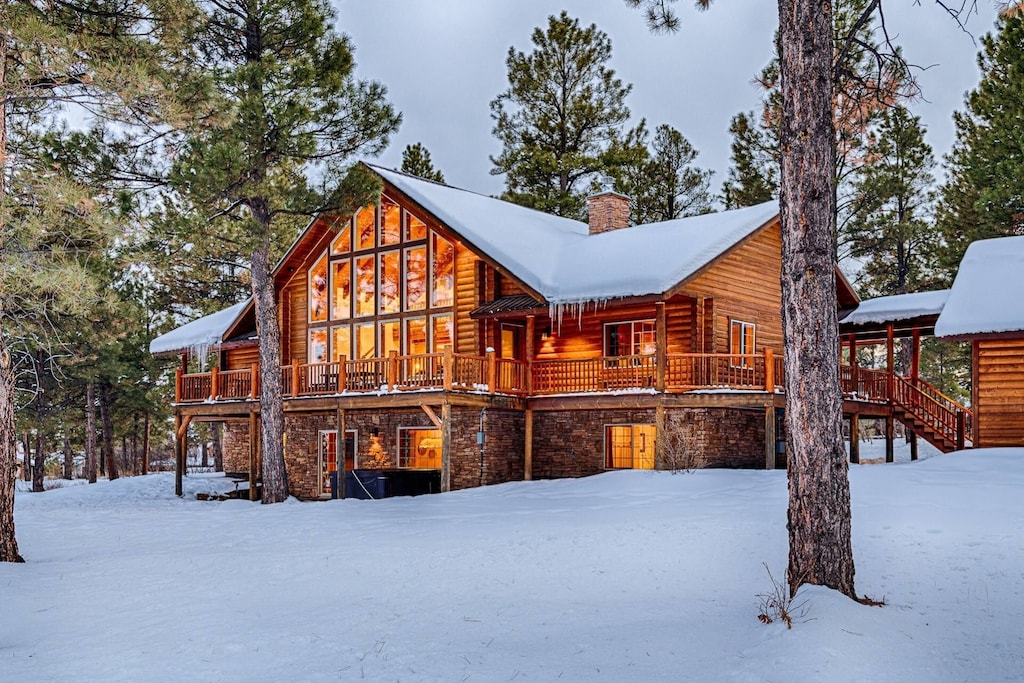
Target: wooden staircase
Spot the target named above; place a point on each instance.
(926, 411)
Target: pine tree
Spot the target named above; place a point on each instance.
(892, 230)
(561, 120)
(983, 196)
(753, 175)
(416, 161)
(662, 180)
(290, 116)
(818, 517)
(102, 56)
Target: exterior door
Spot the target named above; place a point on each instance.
(328, 460)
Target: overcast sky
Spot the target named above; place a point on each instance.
(443, 61)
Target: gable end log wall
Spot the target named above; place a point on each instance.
(999, 395)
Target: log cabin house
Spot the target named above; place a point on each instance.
(456, 340)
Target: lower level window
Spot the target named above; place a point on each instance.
(419, 448)
(629, 447)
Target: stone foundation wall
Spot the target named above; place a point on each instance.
(571, 443)
(236, 447)
(504, 447)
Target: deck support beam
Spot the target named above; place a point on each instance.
(254, 448)
(913, 444)
(769, 436)
(528, 447)
(179, 449)
(446, 446)
(890, 437)
(855, 438)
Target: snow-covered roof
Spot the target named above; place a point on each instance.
(199, 335)
(988, 294)
(561, 260)
(885, 309)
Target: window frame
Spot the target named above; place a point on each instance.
(739, 358)
(633, 427)
(402, 457)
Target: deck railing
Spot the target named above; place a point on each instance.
(943, 415)
(463, 372)
(864, 383)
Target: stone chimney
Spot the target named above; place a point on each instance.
(607, 210)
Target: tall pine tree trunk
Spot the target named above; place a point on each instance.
(820, 550)
(275, 478)
(90, 433)
(145, 443)
(39, 464)
(8, 439)
(108, 432)
(69, 459)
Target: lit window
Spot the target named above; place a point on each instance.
(415, 278)
(629, 446)
(318, 346)
(365, 346)
(341, 342)
(365, 228)
(390, 222)
(441, 332)
(342, 244)
(419, 448)
(415, 229)
(341, 290)
(365, 286)
(318, 291)
(390, 338)
(741, 343)
(415, 336)
(442, 273)
(632, 338)
(390, 282)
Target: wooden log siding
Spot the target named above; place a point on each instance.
(241, 358)
(298, 319)
(745, 286)
(467, 297)
(583, 337)
(999, 392)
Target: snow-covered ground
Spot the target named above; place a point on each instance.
(626, 576)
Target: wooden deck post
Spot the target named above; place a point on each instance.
(492, 371)
(295, 377)
(177, 385)
(214, 380)
(890, 435)
(531, 324)
(769, 371)
(855, 438)
(769, 434)
(254, 385)
(342, 374)
(961, 430)
(446, 446)
(178, 460)
(528, 447)
(339, 419)
(913, 445)
(660, 345)
(890, 361)
(254, 444)
(854, 373)
(915, 356)
(448, 366)
(392, 370)
(659, 436)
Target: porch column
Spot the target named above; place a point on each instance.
(854, 374)
(889, 436)
(913, 444)
(528, 447)
(178, 459)
(769, 436)
(915, 355)
(855, 438)
(531, 325)
(890, 358)
(339, 418)
(660, 345)
(254, 447)
(446, 446)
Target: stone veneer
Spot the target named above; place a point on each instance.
(503, 445)
(571, 443)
